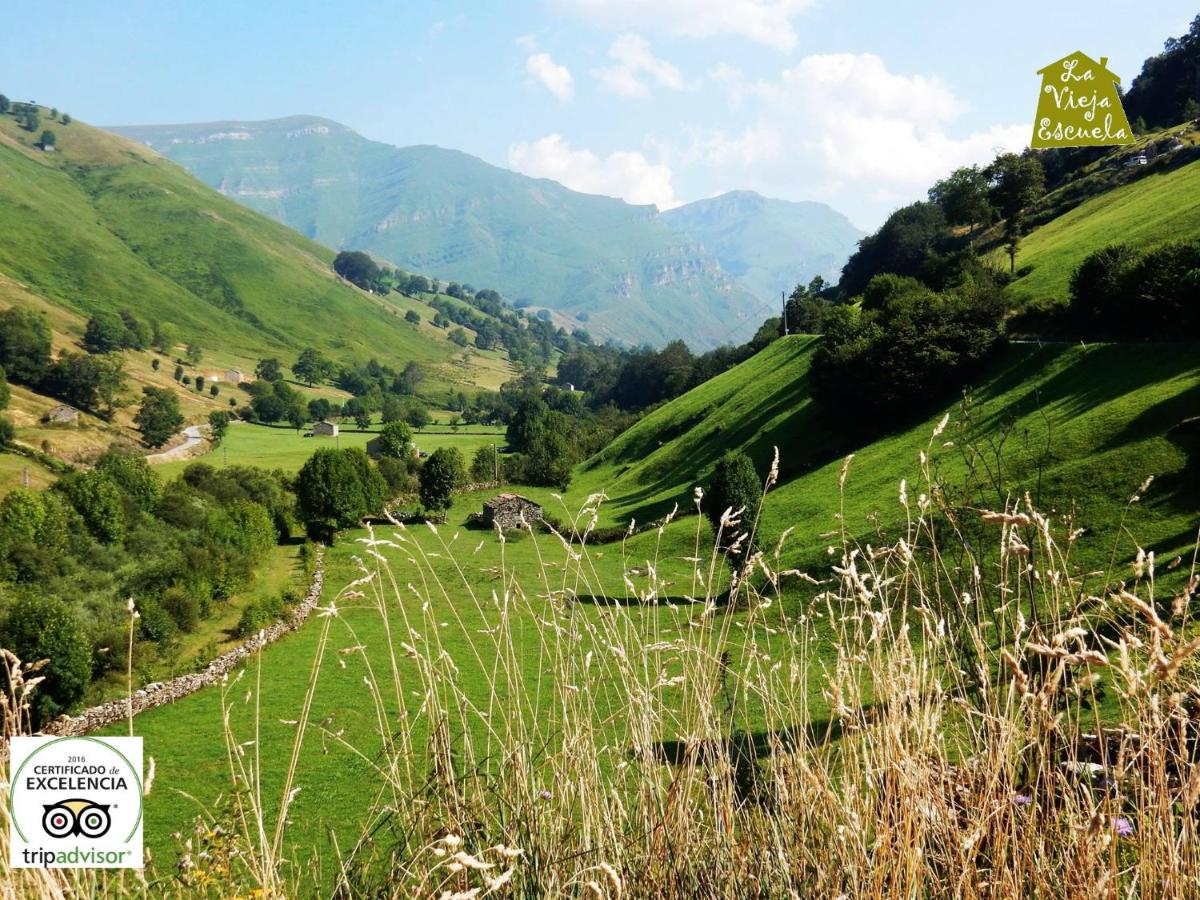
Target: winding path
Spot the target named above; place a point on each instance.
(192, 438)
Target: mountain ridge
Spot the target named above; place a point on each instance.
(619, 270)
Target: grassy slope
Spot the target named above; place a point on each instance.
(106, 224)
(1139, 206)
(1104, 411)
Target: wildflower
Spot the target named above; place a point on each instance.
(1122, 826)
(1022, 799)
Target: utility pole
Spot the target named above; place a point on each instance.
(495, 464)
(25, 476)
(783, 298)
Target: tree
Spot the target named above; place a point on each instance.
(193, 354)
(735, 487)
(441, 474)
(89, 382)
(199, 384)
(5, 103)
(24, 345)
(218, 424)
(901, 245)
(105, 333)
(459, 337)
(964, 197)
(155, 364)
(214, 390)
(392, 409)
(162, 336)
(417, 416)
(319, 409)
(395, 440)
(131, 473)
(7, 433)
(41, 627)
(412, 317)
(269, 370)
(179, 373)
(66, 119)
(359, 269)
(48, 140)
(337, 488)
(158, 417)
(5, 390)
(1015, 182)
(416, 285)
(97, 499)
(484, 465)
(312, 367)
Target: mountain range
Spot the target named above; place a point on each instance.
(708, 272)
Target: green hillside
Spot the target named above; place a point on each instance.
(1141, 206)
(104, 224)
(1078, 426)
(768, 245)
(614, 268)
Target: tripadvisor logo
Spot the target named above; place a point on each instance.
(1080, 105)
(75, 802)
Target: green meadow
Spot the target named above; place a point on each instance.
(283, 447)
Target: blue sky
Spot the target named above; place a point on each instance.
(858, 104)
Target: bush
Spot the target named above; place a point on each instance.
(39, 627)
(7, 433)
(395, 440)
(878, 366)
(735, 486)
(97, 499)
(258, 615)
(1119, 293)
(442, 473)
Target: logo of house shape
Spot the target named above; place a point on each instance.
(1079, 105)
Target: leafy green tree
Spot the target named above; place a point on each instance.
(412, 317)
(163, 336)
(358, 268)
(417, 416)
(735, 487)
(5, 390)
(155, 364)
(97, 499)
(319, 409)
(459, 336)
(338, 488)
(91, 382)
(269, 370)
(416, 285)
(964, 197)
(395, 440)
(49, 140)
(312, 368)
(66, 119)
(902, 245)
(1016, 181)
(442, 473)
(214, 390)
(24, 345)
(132, 474)
(22, 515)
(218, 423)
(105, 333)
(158, 418)
(483, 465)
(193, 354)
(41, 627)
(179, 373)
(392, 409)
(199, 384)
(7, 433)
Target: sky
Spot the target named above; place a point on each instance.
(858, 104)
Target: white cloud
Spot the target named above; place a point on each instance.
(555, 78)
(715, 148)
(625, 174)
(634, 59)
(867, 123)
(764, 21)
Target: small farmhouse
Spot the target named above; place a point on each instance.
(325, 429)
(234, 376)
(509, 511)
(62, 415)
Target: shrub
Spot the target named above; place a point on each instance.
(442, 473)
(1120, 293)
(40, 627)
(395, 440)
(735, 486)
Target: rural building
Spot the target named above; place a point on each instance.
(234, 376)
(325, 429)
(510, 511)
(62, 414)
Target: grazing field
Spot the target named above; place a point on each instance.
(1157, 208)
(283, 447)
(1078, 427)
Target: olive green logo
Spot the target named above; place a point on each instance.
(1080, 105)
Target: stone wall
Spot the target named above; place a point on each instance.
(160, 693)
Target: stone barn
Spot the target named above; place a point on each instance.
(325, 429)
(510, 511)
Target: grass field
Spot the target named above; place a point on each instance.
(1158, 207)
(282, 447)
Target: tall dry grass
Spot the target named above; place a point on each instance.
(953, 711)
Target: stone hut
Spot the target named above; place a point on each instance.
(234, 376)
(64, 415)
(510, 511)
(325, 429)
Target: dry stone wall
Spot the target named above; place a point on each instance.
(160, 693)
